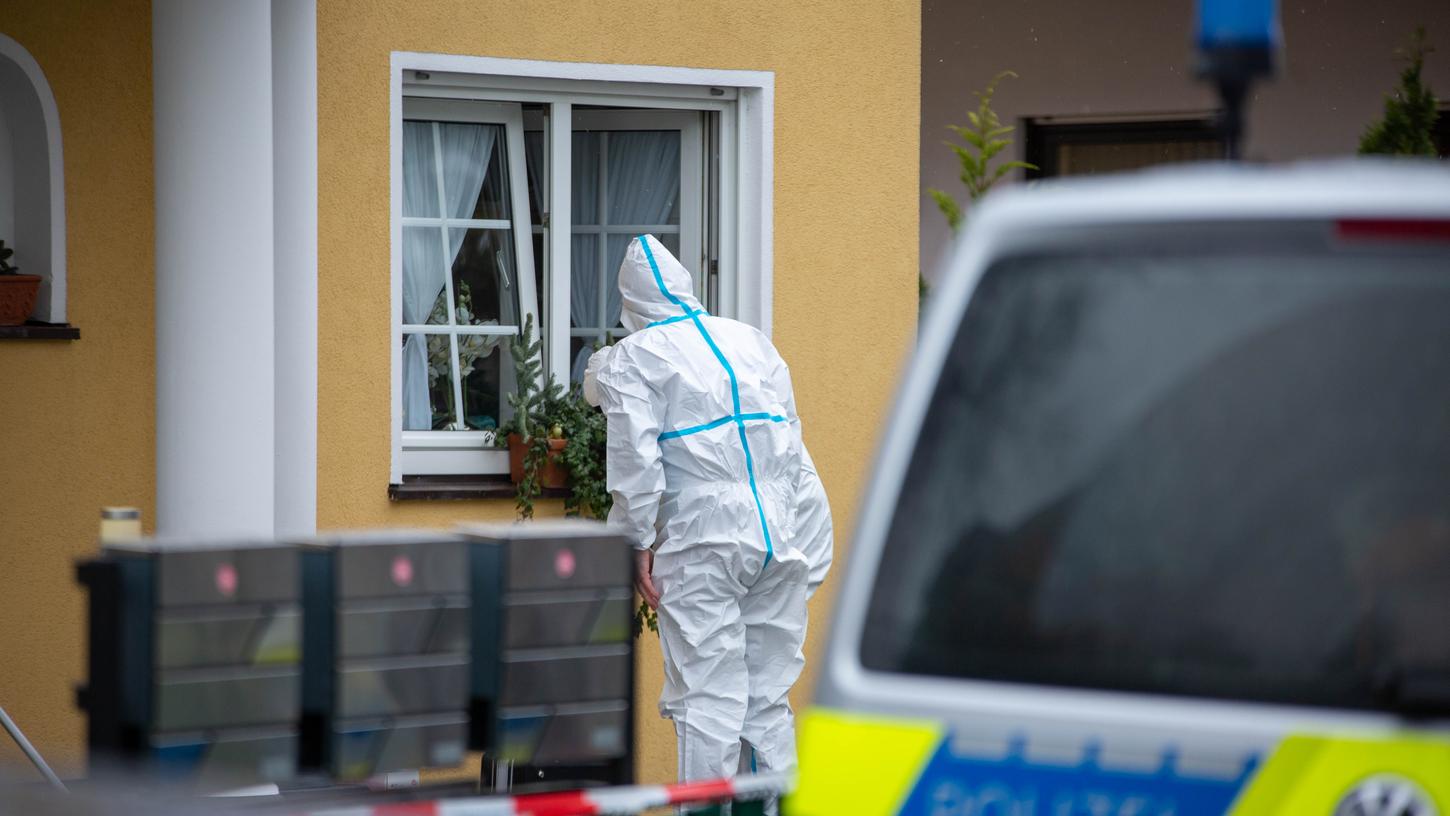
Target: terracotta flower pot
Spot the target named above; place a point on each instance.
(17, 298)
(554, 473)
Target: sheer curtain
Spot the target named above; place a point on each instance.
(584, 250)
(466, 150)
(644, 185)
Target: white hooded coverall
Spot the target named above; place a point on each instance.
(706, 465)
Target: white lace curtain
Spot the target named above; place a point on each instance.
(644, 185)
(465, 152)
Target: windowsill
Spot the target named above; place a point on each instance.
(436, 488)
(36, 330)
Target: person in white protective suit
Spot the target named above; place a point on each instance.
(714, 486)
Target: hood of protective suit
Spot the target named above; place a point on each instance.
(654, 286)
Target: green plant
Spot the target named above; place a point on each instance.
(1408, 125)
(586, 432)
(536, 409)
(645, 618)
(985, 137)
(6, 268)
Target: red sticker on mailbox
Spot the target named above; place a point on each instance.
(402, 571)
(564, 563)
(226, 579)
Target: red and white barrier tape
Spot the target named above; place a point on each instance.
(617, 801)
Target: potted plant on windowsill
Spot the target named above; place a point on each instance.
(557, 439)
(17, 291)
(534, 435)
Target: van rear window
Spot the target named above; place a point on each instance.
(1221, 473)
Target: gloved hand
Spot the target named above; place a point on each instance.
(591, 374)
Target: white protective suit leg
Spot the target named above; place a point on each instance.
(702, 636)
(773, 611)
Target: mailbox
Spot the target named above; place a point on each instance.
(552, 683)
(385, 657)
(193, 660)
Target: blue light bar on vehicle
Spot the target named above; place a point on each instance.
(1238, 24)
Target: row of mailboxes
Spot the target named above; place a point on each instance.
(352, 655)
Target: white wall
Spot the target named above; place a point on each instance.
(294, 184)
(215, 324)
(235, 85)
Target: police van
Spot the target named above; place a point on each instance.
(1161, 522)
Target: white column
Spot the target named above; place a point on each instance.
(294, 179)
(215, 353)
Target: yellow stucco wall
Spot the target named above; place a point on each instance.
(77, 418)
(847, 89)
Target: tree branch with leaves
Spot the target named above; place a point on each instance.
(983, 139)
(1408, 125)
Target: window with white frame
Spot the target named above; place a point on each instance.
(633, 172)
(517, 198)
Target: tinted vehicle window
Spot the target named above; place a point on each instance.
(1217, 473)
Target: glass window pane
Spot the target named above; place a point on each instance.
(487, 369)
(585, 184)
(671, 240)
(534, 161)
(475, 181)
(427, 382)
(644, 177)
(618, 245)
(485, 282)
(584, 282)
(423, 270)
(580, 348)
(420, 172)
(1217, 474)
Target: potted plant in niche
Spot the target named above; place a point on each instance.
(17, 291)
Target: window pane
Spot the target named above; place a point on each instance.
(1118, 157)
(534, 159)
(585, 184)
(1220, 474)
(423, 269)
(580, 348)
(644, 177)
(420, 173)
(488, 376)
(475, 181)
(618, 245)
(484, 277)
(584, 282)
(427, 382)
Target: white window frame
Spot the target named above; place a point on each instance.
(457, 452)
(692, 208)
(744, 103)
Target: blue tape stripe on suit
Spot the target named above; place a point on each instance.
(710, 426)
(696, 429)
(734, 390)
(676, 319)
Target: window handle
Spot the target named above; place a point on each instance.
(502, 272)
